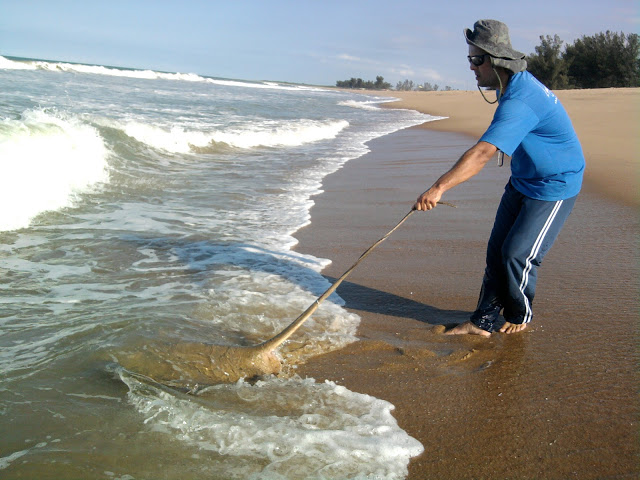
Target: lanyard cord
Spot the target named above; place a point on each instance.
(501, 89)
(500, 152)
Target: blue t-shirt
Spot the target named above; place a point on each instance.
(532, 126)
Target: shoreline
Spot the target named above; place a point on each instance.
(551, 405)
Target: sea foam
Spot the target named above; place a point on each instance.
(46, 159)
(364, 105)
(298, 428)
(8, 64)
(260, 133)
(178, 247)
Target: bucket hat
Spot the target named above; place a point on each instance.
(492, 36)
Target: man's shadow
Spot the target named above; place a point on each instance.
(202, 258)
(367, 299)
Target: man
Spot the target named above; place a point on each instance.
(547, 164)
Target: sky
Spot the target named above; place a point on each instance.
(300, 41)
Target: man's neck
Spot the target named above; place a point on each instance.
(504, 77)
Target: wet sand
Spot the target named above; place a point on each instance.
(556, 401)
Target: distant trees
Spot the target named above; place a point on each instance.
(600, 61)
(614, 57)
(405, 86)
(427, 87)
(608, 59)
(379, 84)
(547, 64)
(408, 85)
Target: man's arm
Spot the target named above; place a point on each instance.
(469, 164)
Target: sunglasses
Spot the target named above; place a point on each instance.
(477, 60)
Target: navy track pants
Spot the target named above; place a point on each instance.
(522, 234)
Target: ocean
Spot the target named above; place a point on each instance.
(141, 209)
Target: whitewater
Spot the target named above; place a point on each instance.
(142, 208)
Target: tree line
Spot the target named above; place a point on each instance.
(408, 85)
(380, 84)
(603, 60)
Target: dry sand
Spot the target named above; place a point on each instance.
(556, 401)
(606, 120)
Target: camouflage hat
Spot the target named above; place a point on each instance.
(492, 36)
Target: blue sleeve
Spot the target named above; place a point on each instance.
(512, 121)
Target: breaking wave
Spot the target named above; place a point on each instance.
(28, 64)
(46, 159)
(265, 133)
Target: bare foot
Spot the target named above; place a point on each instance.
(467, 328)
(513, 327)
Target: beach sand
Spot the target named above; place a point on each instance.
(606, 121)
(556, 401)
